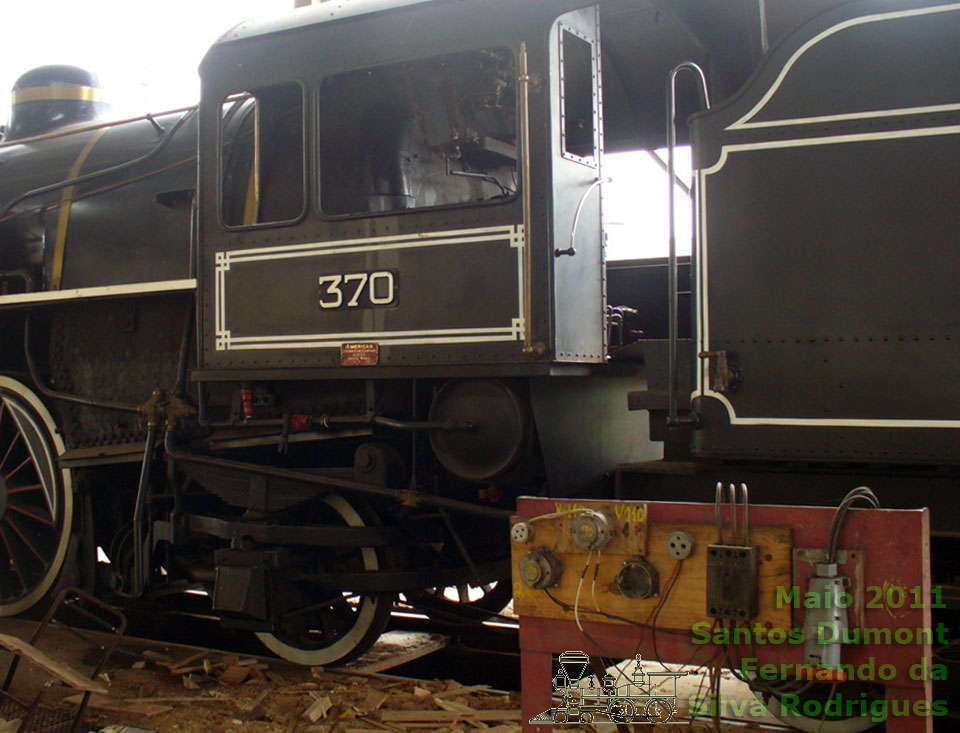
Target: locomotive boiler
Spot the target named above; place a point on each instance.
(302, 345)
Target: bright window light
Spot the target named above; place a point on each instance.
(635, 209)
(146, 54)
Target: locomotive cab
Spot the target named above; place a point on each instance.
(431, 212)
(432, 204)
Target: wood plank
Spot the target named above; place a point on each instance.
(462, 691)
(374, 700)
(453, 707)
(393, 649)
(61, 671)
(686, 604)
(101, 702)
(446, 716)
(318, 709)
(234, 675)
(177, 667)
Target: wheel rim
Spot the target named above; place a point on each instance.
(350, 624)
(36, 500)
(658, 711)
(622, 711)
(474, 602)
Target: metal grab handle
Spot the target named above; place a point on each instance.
(672, 418)
(571, 250)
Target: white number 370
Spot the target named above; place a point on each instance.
(357, 289)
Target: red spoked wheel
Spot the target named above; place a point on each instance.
(36, 500)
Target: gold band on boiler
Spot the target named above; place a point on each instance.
(57, 94)
(66, 199)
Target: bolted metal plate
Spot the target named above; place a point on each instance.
(732, 582)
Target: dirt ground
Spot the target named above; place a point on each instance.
(179, 689)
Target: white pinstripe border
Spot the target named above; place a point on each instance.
(744, 122)
(509, 234)
(703, 322)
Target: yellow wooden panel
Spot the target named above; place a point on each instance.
(686, 603)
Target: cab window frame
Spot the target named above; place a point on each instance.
(317, 178)
(305, 138)
(592, 161)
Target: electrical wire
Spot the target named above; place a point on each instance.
(568, 608)
(655, 614)
(757, 683)
(576, 597)
(593, 583)
(862, 493)
(823, 718)
(715, 695)
(701, 667)
(553, 515)
(650, 621)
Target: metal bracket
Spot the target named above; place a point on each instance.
(724, 376)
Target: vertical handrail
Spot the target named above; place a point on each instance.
(672, 417)
(524, 80)
(764, 29)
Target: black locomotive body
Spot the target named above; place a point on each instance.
(303, 344)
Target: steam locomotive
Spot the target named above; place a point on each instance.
(301, 345)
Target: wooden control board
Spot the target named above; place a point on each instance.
(633, 536)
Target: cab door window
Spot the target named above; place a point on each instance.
(578, 97)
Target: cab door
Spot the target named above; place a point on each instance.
(577, 141)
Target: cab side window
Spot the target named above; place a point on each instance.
(262, 156)
(429, 132)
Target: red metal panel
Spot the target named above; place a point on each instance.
(896, 554)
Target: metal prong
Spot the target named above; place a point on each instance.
(745, 500)
(717, 502)
(732, 494)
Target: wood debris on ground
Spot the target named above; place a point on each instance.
(185, 690)
(395, 648)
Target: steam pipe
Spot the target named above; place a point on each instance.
(139, 576)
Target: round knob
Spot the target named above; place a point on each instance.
(638, 579)
(591, 530)
(540, 569)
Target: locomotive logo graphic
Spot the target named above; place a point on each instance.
(649, 698)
